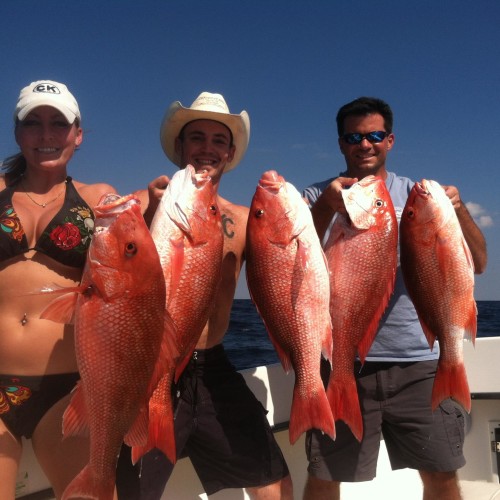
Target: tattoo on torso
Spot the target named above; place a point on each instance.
(225, 222)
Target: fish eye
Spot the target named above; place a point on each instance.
(259, 212)
(379, 203)
(130, 249)
(213, 209)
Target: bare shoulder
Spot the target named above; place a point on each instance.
(92, 193)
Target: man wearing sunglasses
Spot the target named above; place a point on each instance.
(399, 365)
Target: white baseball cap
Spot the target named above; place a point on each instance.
(47, 93)
(206, 106)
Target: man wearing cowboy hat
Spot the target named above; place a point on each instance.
(234, 446)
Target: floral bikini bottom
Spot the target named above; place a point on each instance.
(24, 400)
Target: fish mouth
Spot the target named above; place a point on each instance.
(271, 181)
(421, 188)
(201, 177)
(110, 204)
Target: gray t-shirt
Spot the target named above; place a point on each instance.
(400, 336)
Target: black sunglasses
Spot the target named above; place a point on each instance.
(376, 136)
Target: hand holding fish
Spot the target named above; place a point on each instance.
(453, 195)
(156, 188)
(332, 195)
(330, 202)
(472, 234)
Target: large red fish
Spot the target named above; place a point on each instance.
(439, 274)
(287, 277)
(187, 231)
(361, 251)
(119, 323)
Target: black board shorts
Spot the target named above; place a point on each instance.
(221, 426)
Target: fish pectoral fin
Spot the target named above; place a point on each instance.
(61, 309)
(303, 254)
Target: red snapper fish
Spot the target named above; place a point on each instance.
(438, 271)
(119, 319)
(187, 231)
(361, 251)
(287, 276)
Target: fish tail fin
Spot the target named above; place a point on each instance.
(85, 485)
(310, 411)
(451, 382)
(343, 398)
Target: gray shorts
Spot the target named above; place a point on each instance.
(395, 401)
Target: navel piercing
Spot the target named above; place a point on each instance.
(24, 320)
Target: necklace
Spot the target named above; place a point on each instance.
(43, 205)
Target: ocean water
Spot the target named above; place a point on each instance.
(248, 345)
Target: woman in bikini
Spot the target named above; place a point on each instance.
(45, 229)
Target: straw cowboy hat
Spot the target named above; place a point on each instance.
(206, 106)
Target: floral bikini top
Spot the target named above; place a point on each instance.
(66, 238)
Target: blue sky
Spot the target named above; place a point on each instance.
(291, 65)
